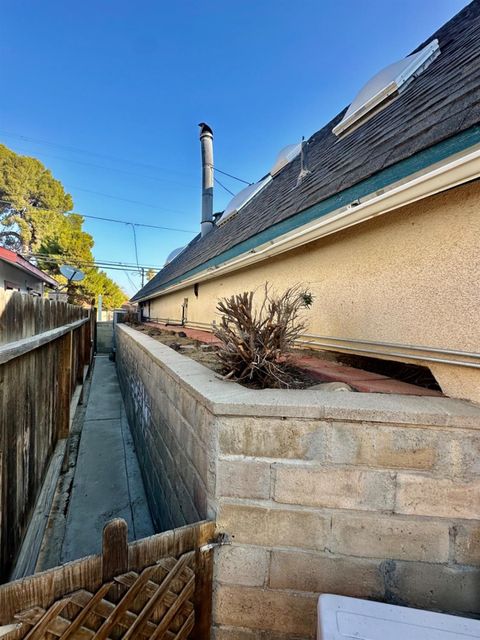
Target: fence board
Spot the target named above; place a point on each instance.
(23, 316)
(38, 339)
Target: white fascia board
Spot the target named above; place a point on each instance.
(456, 170)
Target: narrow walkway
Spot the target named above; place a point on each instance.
(107, 482)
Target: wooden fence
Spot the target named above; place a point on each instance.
(45, 348)
(157, 588)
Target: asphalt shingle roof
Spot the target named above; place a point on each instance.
(443, 101)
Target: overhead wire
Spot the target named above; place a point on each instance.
(89, 152)
(110, 157)
(127, 222)
(94, 265)
(63, 257)
(135, 224)
(140, 202)
(135, 242)
(125, 171)
(135, 287)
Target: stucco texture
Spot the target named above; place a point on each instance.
(409, 277)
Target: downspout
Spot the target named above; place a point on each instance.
(206, 141)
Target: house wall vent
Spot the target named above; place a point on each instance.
(388, 82)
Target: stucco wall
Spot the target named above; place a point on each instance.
(19, 278)
(357, 494)
(409, 277)
(104, 342)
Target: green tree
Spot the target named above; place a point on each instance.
(36, 219)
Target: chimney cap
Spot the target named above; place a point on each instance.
(205, 129)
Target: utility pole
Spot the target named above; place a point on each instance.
(143, 277)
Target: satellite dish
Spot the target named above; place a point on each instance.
(72, 274)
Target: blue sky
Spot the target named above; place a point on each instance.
(108, 94)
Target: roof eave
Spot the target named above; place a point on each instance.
(457, 167)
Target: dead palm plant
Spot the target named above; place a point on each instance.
(257, 339)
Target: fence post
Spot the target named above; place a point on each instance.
(64, 384)
(203, 582)
(79, 343)
(86, 344)
(115, 549)
(94, 322)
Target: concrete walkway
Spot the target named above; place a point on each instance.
(107, 482)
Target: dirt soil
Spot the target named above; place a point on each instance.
(206, 353)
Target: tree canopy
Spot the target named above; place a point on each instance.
(36, 218)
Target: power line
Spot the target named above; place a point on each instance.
(113, 197)
(132, 284)
(135, 224)
(135, 242)
(127, 222)
(89, 152)
(93, 265)
(125, 171)
(57, 257)
(109, 157)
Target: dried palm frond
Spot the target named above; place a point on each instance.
(257, 339)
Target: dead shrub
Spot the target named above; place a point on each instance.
(257, 338)
(131, 317)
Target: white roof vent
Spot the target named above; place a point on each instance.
(241, 199)
(173, 254)
(386, 83)
(286, 155)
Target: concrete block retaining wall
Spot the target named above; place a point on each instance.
(365, 495)
(172, 431)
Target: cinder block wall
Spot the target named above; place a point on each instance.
(369, 509)
(370, 496)
(173, 433)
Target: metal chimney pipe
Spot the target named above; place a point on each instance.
(206, 141)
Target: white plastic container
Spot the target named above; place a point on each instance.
(342, 618)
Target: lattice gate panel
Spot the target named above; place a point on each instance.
(155, 604)
(159, 601)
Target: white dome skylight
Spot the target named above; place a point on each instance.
(286, 155)
(387, 82)
(241, 199)
(173, 254)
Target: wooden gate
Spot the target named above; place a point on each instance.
(158, 587)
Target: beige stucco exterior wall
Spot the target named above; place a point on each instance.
(369, 496)
(410, 277)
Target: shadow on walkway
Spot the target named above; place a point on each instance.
(107, 482)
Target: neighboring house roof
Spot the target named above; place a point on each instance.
(443, 101)
(16, 260)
